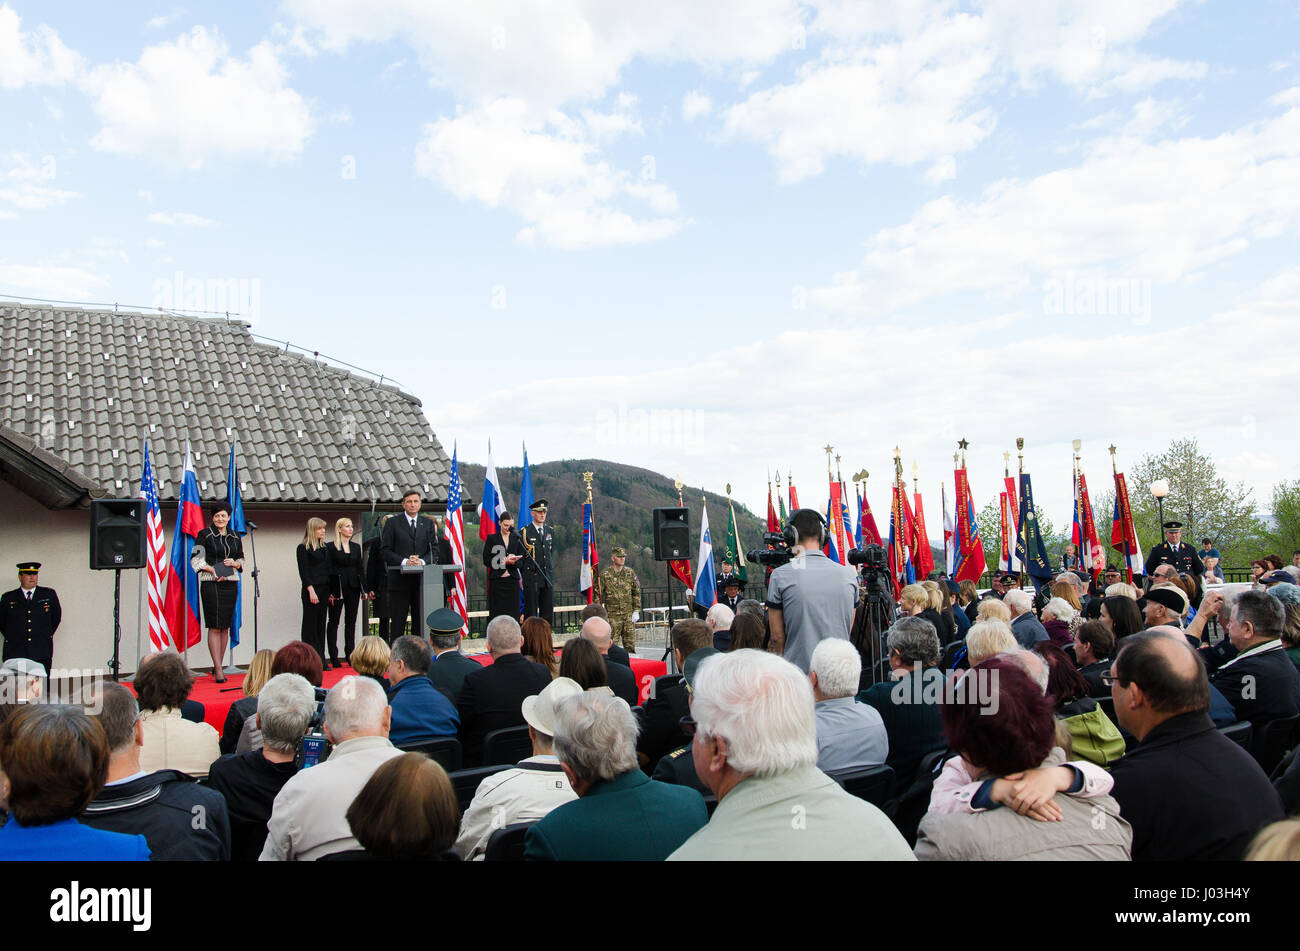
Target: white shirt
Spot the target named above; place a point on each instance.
(512, 795)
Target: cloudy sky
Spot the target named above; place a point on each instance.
(703, 238)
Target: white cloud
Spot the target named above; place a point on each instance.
(145, 194)
(558, 52)
(26, 183)
(695, 104)
(51, 280)
(158, 22)
(905, 102)
(191, 102)
(1124, 209)
(547, 172)
(680, 418)
(1145, 73)
(179, 219)
(36, 58)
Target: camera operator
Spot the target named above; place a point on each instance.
(812, 597)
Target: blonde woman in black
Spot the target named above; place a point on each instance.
(314, 571)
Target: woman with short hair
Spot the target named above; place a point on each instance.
(407, 811)
(1007, 756)
(55, 762)
(370, 659)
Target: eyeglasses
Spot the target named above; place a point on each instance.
(687, 725)
(1109, 680)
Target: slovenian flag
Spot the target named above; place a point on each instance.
(590, 558)
(706, 578)
(492, 504)
(181, 606)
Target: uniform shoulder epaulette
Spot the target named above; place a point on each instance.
(678, 752)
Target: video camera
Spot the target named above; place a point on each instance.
(772, 557)
(314, 746)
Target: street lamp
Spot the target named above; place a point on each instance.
(1160, 488)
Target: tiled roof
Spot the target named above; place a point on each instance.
(89, 385)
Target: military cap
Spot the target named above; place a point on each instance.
(29, 566)
(1173, 526)
(618, 552)
(445, 621)
(693, 662)
(538, 506)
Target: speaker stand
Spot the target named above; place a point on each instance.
(115, 664)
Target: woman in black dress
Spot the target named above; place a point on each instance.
(218, 559)
(314, 571)
(501, 553)
(345, 586)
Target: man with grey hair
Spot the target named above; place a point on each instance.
(1027, 628)
(909, 704)
(1033, 664)
(1260, 681)
(250, 781)
(180, 819)
(493, 697)
(309, 817)
(756, 749)
(620, 814)
(421, 712)
(850, 735)
(622, 681)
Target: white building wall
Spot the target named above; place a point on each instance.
(60, 541)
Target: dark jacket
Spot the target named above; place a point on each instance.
(1028, 631)
(661, 715)
(249, 782)
(242, 709)
(449, 670)
(345, 569)
(492, 699)
(622, 681)
(1262, 687)
(314, 569)
(629, 818)
(910, 709)
(1191, 794)
(181, 820)
(421, 712)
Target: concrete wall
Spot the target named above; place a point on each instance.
(60, 540)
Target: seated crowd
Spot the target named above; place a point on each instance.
(1068, 723)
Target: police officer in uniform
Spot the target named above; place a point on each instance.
(29, 616)
(537, 566)
(622, 599)
(729, 591)
(1174, 551)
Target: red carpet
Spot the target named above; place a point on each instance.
(217, 698)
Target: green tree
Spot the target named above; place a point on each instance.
(1198, 497)
(1283, 534)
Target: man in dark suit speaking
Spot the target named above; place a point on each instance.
(409, 539)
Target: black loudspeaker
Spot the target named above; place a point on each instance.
(672, 534)
(116, 534)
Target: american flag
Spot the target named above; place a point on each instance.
(155, 558)
(455, 532)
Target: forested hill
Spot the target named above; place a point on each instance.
(622, 498)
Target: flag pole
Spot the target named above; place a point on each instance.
(1020, 529)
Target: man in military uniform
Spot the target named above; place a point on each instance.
(1172, 551)
(622, 597)
(729, 588)
(537, 566)
(29, 616)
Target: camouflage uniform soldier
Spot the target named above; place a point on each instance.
(622, 599)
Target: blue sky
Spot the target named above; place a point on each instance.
(706, 239)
